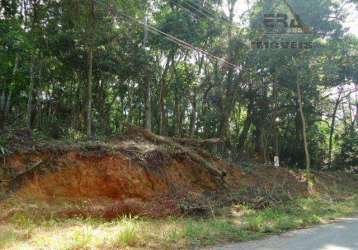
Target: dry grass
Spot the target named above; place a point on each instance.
(34, 225)
(25, 229)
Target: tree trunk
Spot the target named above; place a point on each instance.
(162, 108)
(274, 120)
(258, 138)
(246, 128)
(30, 95)
(147, 91)
(356, 107)
(5, 101)
(2, 117)
(229, 98)
(148, 106)
(91, 30)
(77, 103)
(331, 132)
(177, 110)
(37, 113)
(14, 71)
(89, 93)
(237, 121)
(162, 127)
(304, 132)
(177, 115)
(351, 107)
(193, 102)
(224, 123)
(193, 114)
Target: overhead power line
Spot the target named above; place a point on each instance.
(178, 41)
(191, 7)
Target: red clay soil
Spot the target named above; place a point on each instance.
(137, 176)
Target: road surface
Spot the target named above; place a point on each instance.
(342, 235)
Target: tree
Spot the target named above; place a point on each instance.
(183, 68)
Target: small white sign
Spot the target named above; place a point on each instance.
(277, 161)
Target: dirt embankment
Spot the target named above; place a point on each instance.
(139, 174)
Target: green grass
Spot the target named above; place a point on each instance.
(300, 213)
(239, 223)
(28, 227)
(129, 235)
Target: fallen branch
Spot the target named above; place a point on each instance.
(196, 142)
(27, 171)
(13, 183)
(168, 141)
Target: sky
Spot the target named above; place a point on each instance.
(351, 22)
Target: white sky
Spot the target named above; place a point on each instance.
(351, 22)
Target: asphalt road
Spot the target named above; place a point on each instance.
(342, 235)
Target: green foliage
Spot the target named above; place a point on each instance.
(192, 93)
(129, 235)
(203, 232)
(4, 140)
(75, 136)
(295, 214)
(348, 156)
(83, 238)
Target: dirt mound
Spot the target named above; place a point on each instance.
(139, 174)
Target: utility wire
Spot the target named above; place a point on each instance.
(178, 41)
(204, 12)
(212, 13)
(192, 8)
(217, 15)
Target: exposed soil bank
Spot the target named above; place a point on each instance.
(141, 174)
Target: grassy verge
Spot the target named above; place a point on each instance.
(238, 223)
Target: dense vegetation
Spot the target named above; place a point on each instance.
(87, 69)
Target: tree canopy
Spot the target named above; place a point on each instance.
(185, 68)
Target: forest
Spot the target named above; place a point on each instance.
(185, 68)
(178, 124)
